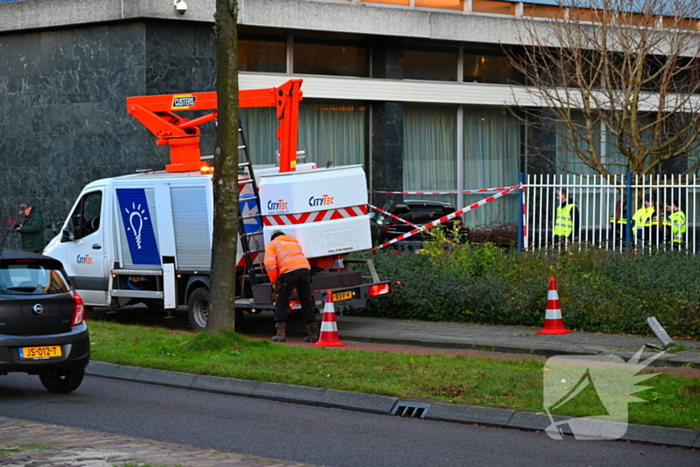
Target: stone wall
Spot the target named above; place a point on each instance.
(63, 116)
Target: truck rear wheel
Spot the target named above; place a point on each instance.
(198, 308)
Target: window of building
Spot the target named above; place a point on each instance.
(260, 127)
(435, 63)
(430, 150)
(441, 4)
(266, 53)
(333, 132)
(328, 131)
(493, 7)
(491, 159)
(390, 2)
(492, 66)
(543, 11)
(329, 56)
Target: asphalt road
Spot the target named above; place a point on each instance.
(306, 434)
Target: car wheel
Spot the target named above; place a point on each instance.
(62, 381)
(198, 308)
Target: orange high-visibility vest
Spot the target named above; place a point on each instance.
(283, 254)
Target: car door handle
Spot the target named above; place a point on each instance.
(96, 247)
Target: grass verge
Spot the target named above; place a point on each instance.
(517, 385)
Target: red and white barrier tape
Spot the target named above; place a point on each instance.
(484, 190)
(448, 217)
(391, 215)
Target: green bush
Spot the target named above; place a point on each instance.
(599, 290)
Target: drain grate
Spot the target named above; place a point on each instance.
(411, 409)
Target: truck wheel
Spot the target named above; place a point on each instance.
(198, 308)
(62, 381)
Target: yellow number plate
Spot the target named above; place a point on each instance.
(40, 353)
(340, 296)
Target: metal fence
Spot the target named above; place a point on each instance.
(610, 210)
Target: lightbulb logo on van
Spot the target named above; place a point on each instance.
(137, 226)
(137, 216)
(324, 200)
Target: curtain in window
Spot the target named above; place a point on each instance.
(491, 159)
(327, 132)
(333, 132)
(260, 127)
(430, 150)
(568, 160)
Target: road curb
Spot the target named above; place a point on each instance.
(437, 411)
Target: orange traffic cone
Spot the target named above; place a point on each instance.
(553, 322)
(329, 328)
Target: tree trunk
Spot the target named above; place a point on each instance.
(222, 309)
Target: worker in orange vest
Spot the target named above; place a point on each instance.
(288, 268)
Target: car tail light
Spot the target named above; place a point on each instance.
(294, 304)
(78, 310)
(379, 289)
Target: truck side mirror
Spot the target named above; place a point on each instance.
(67, 236)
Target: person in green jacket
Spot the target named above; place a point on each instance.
(32, 229)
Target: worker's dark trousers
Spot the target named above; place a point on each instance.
(301, 280)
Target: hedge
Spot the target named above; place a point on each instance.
(599, 290)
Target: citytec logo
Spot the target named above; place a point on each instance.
(87, 259)
(279, 205)
(324, 200)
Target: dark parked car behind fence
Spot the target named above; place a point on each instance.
(418, 213)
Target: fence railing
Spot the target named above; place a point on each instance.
(613, 212)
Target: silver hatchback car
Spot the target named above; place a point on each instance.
(42, 322)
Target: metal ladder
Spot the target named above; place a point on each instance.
(245, 169)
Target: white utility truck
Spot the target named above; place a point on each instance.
(147, 237)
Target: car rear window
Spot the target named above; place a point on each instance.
(31, 278)
(423, 216)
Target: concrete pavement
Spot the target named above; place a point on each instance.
(522, 340)
(27, 444)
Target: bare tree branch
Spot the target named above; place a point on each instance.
(628, 70)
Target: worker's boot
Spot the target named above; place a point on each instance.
(312, 328)
(281, 333)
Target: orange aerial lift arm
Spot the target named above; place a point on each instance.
(157, 113)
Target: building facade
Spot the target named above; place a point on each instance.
(414, 90)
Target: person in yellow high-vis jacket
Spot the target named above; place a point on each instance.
(674, 224)
(566, 222)
(645, 222)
